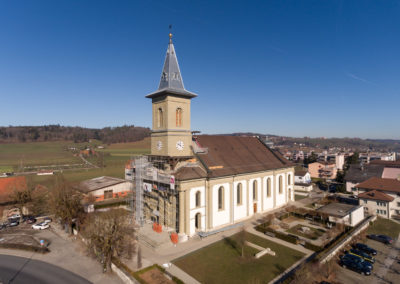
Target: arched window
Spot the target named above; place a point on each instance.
(178, 117)
(221, 198)
(239, 194)
(280, 184)
(198, 201)
(160, 118)
(255, 195)
(288, 179)
(269, 187)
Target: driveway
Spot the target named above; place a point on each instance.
(65, 252)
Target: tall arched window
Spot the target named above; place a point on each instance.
(280, 184)
(178, 117)
(255, 195)
(239, 194)
(288, 179)
(198, 200)
(160, 118)
(221, 198)
(269, 187)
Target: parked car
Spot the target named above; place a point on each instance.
(41, 226)
(47, 219)
(365, 248)
(353, 264)
(359, 259)
(381, 238)
(13, 222)
(31, 220)
(15, 216)
(365, 256)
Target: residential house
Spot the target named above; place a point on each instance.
(325, 170)
(380, 196)
(302, 181)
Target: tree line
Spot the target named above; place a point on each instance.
(120, 134)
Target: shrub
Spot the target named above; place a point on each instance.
(310, 246)
(25, 247)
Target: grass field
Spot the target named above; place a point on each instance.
(385, 227)
(221, 262)
(56, 153)
(39, 153)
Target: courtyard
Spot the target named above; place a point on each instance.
(223, 262)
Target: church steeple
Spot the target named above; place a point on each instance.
(171, 135)
(171, 79)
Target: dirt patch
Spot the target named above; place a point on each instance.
(155, 276)
(291, 219)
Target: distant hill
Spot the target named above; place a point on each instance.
(121, 134)
(325, 143)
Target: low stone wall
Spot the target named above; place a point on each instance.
(125, 278)
(333, 251)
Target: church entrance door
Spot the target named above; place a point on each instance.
(255, 207)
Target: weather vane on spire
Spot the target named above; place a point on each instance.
(170, 34)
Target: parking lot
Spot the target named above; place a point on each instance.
(386, 267)
(64, 251)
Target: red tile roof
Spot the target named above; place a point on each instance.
(376, 195)
(387, 184)
(8, 185)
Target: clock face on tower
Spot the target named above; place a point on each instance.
(159, 145)
(179, 145)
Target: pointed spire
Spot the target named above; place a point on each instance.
(171, 75)
(171, 78)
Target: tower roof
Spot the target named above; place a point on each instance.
(171, 79)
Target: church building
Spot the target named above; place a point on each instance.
(200, 183)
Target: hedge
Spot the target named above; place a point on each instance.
(279, 235)
(310, 246)
(25, 247)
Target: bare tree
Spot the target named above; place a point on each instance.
(242, 239)
(65, 202)
(109, 234)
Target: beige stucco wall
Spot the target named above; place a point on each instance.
(169, 133)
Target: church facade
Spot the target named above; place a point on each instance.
(218, 180)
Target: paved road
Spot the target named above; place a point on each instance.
(14, 269)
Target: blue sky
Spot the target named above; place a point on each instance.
(294, 68)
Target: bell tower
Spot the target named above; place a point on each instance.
(171, 135)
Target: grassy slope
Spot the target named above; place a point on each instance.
(221, 263)
(39, 153)
(50, 153)
(385, 227)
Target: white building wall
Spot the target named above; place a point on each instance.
(200, 209)
(268, 201)
(221, 217)
(258, 200)
(240, 211)
(280, 197)
(356, 216)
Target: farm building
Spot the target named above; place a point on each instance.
(105, 188)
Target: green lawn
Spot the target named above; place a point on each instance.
(299, 197)
(221, 262)
(313, 235)
(384, 227)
